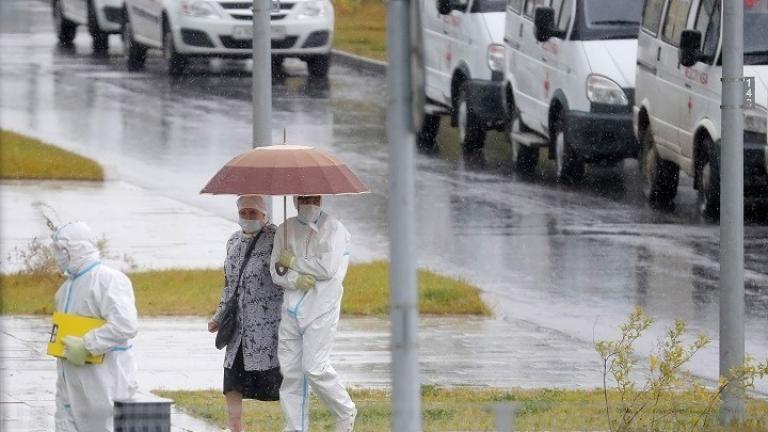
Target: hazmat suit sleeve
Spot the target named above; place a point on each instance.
(332, 248)
(117, 305)
(288, 280)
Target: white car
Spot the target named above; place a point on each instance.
(102, 17)
(463, 60)
(223, 28)
(677, 109)
(570, 78)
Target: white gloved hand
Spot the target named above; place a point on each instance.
(74, 350)
(287, 258)
(306, 282)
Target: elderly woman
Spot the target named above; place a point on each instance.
(251, 369)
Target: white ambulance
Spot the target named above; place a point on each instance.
(463, 61)
(677, 109)
(570, 81)
(103, 17)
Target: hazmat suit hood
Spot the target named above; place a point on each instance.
(75, 247)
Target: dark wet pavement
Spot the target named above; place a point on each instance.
(570, 260)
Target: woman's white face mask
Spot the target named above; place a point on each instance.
(309, 213)
(250, 226)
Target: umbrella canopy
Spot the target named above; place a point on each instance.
(285, 170)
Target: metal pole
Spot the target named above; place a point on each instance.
(262, 74)
(732, 210)
(404, 313)
(261, 86)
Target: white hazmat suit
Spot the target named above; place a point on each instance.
(85, 394)
(309, 320)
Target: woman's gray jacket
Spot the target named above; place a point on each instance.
(259, 299)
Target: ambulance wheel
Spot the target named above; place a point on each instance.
(570, 167)
(660, 177)
(65, 29)
(471, 133)
(427, 137)
(709, 181)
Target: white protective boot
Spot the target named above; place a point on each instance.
(346, 425)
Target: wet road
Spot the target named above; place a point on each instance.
(571, 260)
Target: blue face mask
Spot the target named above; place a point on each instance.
(250, 226)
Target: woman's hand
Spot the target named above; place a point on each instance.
(213, 326)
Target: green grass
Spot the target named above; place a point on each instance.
(361, 28)
(24, 158)
(197, 292)
(463, 409)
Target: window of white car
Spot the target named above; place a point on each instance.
(652, 16)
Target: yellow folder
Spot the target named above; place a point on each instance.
(65, 324)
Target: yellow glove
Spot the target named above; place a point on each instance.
(287, 258)
(305, 282)
(74, 350)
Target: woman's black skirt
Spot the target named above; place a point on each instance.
(260, 385)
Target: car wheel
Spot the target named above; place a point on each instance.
(99, 38)
(277, 67)
(177, 63)
(471, 134)
(427, 137)
(318, 66)
(65, 29)
(135, 52)
(660, 177)
(709, 182)
(524, 158)
(569, 166)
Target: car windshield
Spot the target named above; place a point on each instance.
(612, 19)
(482, 6)
(755, 34)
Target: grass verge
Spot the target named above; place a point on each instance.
(471, 410)
(197, 292)
(361, 28)
(24, 158)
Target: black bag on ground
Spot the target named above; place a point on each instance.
(229, 317)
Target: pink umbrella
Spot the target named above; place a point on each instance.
(285, 170)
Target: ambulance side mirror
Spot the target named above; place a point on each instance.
(544, 26)
(445, 7)
(690, 48)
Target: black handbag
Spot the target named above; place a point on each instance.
(229, 317)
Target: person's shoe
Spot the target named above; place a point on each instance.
(346, 425)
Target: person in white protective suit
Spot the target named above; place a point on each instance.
(85, 392)
(316, 254)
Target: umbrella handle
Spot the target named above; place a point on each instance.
(281, 271)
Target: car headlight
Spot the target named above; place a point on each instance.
(756, 121)
(603, 90)
(199, 9)
(311, 9)
(496, 57)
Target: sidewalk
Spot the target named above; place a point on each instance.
(178, 354)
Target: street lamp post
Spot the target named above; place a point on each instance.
(732, 210)
(404, 313)
(262, 74)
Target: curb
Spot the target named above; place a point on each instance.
(359, 63)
